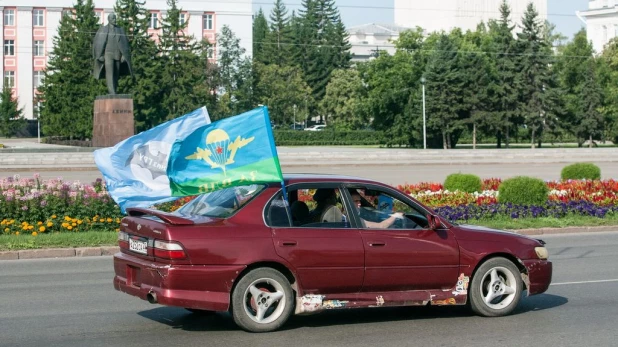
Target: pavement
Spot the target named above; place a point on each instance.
(29, 155)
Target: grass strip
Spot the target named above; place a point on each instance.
(59, 240)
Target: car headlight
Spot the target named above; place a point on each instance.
(541, 252)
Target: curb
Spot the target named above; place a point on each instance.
(59, 253)
(111, 250)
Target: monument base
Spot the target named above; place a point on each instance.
(113, 120)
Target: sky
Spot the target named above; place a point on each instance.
(356, 12)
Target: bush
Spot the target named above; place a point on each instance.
(328, 138)
(580, 171)
(523, 190)
(463, 182)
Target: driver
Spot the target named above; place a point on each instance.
(381, 225)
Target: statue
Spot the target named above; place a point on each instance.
(111, 53)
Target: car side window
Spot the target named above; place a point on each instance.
(276, 213)
(378, 209)
(318, 208)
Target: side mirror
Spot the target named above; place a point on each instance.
(434, 222)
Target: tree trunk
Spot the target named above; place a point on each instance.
(448, 141)
(444, 139)
(590, 144)
(580, 142)
(532, 142)
(474, 136)
(499, 138)
(506, 138)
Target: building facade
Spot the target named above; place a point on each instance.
(29, 26)
(601, 20)
(368, 39)
(465, 14)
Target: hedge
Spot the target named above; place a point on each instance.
(328, 138)
(522, 190)
(581, 171)
(463, 182)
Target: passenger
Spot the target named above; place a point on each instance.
(300, 213)
(327, 210)
(381, 225)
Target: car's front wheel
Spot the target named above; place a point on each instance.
(496, 288)
(262, 300)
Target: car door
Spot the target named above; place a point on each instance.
(327, 257)
(407, 255)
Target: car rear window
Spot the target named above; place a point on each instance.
(220, 203)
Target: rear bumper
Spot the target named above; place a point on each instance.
(539, 275)
(189, 286)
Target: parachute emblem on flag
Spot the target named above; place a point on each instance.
(219, 151)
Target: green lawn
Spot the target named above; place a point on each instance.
(507, 223)
(58, 240)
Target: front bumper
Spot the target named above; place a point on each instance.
(539, 275)
(189, 286)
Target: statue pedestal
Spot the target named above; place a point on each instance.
(113, 120)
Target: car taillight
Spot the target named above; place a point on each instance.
(123, 240)
(168, 250)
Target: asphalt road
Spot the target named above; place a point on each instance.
(391, 174)
(71, 302)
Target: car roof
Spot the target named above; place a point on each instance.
(312, 177)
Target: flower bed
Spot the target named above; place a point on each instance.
(33, 206)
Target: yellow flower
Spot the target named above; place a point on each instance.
(50, 224)
(12, 221)
(24, 227)
(67, 218)
(41, 228)
(94, 219)
(117, 230)
(54, 216)
(17, 233)
(30, 227)
(79, 221)
(3, 222)
(69, 227)
(6, 229)
(109, 220)
(39, 223)
(65, 224)
(117, 220)
(74, 224)
(74, 220)
(34, 233)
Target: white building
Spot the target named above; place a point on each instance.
(601, 20)
(29, 26)
(465, 14)
(368, 39)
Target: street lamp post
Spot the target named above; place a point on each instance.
(423, 80)
(294, 116)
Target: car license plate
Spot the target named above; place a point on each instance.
(138, 246)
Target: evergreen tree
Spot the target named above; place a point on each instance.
(342, 102)
(69, 89)
(539, 96)
(503, 102)
(260, 37)
(133, 17)
(444, 99)
(277, 47)
(184, 67)
(11, 116)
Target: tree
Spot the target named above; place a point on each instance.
(260, 37)
(539, 94)
(11, 116)
(342, 102)
(444, 99)
(69, 89)
(184, 66)
(280, 88)
(147, 66)
(574, 65)
(234, 75)
(503, 101)
(590, 124)
(277, 47)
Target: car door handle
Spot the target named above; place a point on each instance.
(377, 244)
(288, 243)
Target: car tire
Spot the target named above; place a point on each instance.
(496, 288)
(262, 300)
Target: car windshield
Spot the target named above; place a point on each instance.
(220, 203)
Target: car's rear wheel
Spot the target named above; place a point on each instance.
(262, 300)
(496, 288)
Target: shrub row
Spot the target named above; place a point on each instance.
(328, 138)
(522, 190)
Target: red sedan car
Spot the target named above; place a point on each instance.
(336, 242)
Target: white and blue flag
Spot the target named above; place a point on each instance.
(135, 170)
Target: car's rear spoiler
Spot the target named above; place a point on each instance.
(164, 216)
